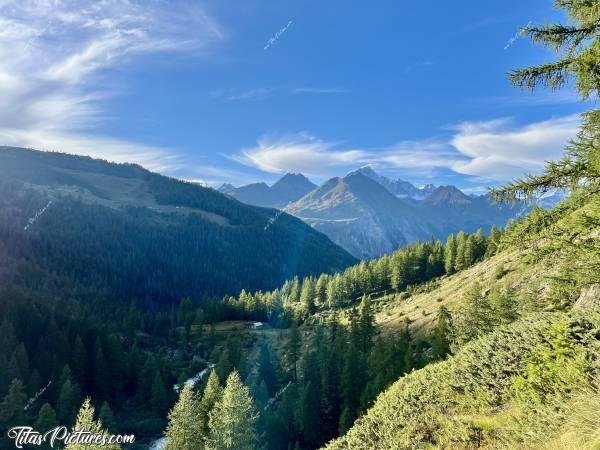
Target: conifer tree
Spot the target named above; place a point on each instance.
(450, 254)
(212, 394)
(184, 430)
(493, 241)
(86, 422)
(233, 419)
(321, 289)
(503, 303)
(294, 296)
(106, 416)
(475, 316)
(266, 369)
(46, 421)
(310, 401)
(441, 335)
(68, 399)
(307, 297)
(470, 251)
(160, 398)
(367, 324)
(480, 244)
(12, 407)
(461, 247)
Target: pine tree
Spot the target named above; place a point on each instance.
(160, 398)
(307, 297)
(232, 422)
(450, 254)
(294, 296)
(480, 244)
(321, 289)
(470, 251)
(493, 242)
(46, 421)
(212, 394)
(184, 430)
(266, 369)
(461, 247)
(503, 301)
(311, 401)
(475, 316)
(12, 407)
(86, 422)
(106, 417)
(260, 394)
(68, 399)
(367, 324)
(441, 335)
(399, 275)
(46, 418)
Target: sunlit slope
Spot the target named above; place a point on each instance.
(517, 386)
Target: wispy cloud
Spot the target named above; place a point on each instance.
(499, 150)
(299, 153)
(490, 151)
(54, 55)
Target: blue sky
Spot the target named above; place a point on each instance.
(223, 91)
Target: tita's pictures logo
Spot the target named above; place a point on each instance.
(24, 435)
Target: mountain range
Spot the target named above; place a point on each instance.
(369, 215)
(289, 188)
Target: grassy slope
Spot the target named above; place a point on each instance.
(465, 401)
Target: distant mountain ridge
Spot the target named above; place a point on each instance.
(369, 214)
(361, 215)
(288, 188)
(399, 188)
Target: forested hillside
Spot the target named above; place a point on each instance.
(132, 234)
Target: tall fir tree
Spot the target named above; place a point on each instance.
(442, 334)
(45, 422)
(86, 422)
(233, 419)
(13, 411)
(184, 430)
(461, 247)
(212, 394)
(450, 254)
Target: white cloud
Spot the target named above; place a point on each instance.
(496, 150)
(424, 155)
(54, 54)
(299, 153)
(491, 151)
